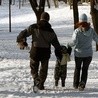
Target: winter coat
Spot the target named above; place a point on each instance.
(82, 40)
(43, 36)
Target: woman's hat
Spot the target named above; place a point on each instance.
(83, 18)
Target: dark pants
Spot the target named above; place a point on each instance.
(81, 70)
(39, 73)
(60, 72)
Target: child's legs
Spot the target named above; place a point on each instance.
(63, 74)
(57, 73)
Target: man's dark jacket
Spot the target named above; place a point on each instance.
(43, 36)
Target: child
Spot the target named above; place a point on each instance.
(61, 66)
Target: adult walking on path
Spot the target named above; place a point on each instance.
(82, 41)
(43, 36)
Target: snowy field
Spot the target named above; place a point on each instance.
(15, 77)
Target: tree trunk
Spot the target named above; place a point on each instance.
(48, 3)
(37, 8)
(13, 2)
(0, 2)
(75, 13)
(94, 14)
(55, 3)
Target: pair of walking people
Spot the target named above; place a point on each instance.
(43, 36)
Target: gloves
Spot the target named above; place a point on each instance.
(63, 50)
(58, 54)
(69, 50)
(22, 45)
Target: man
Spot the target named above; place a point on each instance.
(43, 36)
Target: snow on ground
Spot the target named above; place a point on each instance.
(15, 77)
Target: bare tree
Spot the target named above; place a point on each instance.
(56, 3)
(13, 2)
(48, 3)
(38, 7)
(94, 14)
(75, 12)
(0, 2)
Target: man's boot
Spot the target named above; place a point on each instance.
(63, 83)
(81, 86)
(41, 86)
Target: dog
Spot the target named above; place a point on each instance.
(60, 71)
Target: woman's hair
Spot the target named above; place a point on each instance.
(83, 24)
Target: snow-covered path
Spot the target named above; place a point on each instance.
(16, 80)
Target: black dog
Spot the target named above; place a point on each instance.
(61, 65)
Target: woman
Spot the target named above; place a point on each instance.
(82, 40)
